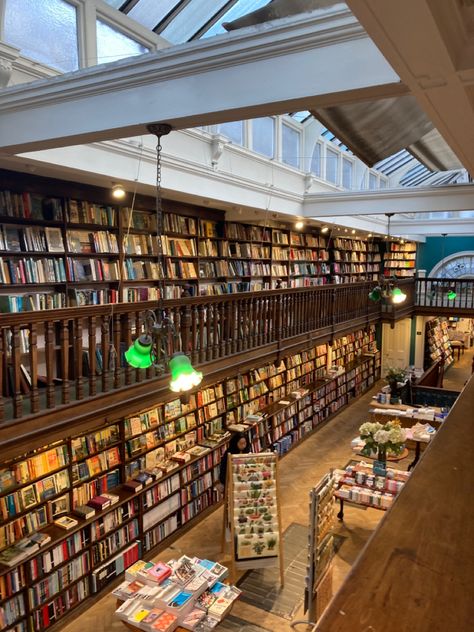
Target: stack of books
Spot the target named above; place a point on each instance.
(187, 592)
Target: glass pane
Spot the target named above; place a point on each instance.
(116, 4)
(150, 12)
(383, 183)
(113, 45)
(191, 19)
(290, 146)
(30, 24)
(234, 131)
(372, 181)
(316, 160)
(346, 173)
(237, 11)
(301, 116)
(331, 165)
(263, 136)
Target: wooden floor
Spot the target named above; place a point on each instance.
(300, 470)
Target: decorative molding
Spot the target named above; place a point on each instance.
(8, 55)
(218, 143)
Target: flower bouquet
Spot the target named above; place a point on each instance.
(382, 439)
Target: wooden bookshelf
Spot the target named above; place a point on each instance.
(37, 591)
(400, 260)
(354, 260)
(437, 344)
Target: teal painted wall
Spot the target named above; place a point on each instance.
(433, 250)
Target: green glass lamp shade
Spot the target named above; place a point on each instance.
(451, 295)
(138, 354)
(397, 295)
(375, 294)
(184, 376)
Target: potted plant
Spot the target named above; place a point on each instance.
(394, 376)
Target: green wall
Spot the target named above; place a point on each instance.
(433, 250)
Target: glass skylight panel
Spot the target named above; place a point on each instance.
(190, 19)
(116, 4)
(233, 130)
(29, 25)
(290, 146)
(372, 181)
(263, 136)
(113, 45)
(301, 116)
(240, 8)
(151, 12)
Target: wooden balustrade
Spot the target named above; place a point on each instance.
(56, 357)
(438, 293)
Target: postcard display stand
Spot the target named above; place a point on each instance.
(318, 587)
(253, 512)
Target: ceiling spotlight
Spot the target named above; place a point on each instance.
(299, 225)
(369, 235)
(353, 231)
(345, 230)
(118, 192)
(324, 229)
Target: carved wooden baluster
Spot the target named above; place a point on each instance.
(265, 316)
(186, 328)
(64, 343)
(222, 337)
(33, 356)
(127, 339)
(233, 325)
(2, 373)
(238, 323)
(247, 327)
(138, 372)
(202, 326)
(118, 370)
(104, 347)
(78, 358)
(92, 355)
(228, 326)
(254, 321)
(15, 359)
(306, 314)
(194, 334)
(49, 359)
(215, 331)
(209, 330)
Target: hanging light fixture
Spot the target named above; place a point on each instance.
(386, 289)
(118, 192)
(160, 339)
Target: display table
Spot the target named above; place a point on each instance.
(357, 485)
(458, 346)
(406, 414)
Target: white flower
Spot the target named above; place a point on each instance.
(382, 436)
(369, 428)
(397, 435)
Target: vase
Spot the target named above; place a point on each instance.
(380, 464)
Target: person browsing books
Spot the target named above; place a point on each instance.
(238, 444)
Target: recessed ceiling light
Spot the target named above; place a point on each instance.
(118, 192)
(299, 225)
(353, 231)
(324, 229)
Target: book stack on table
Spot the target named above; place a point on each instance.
(187, 592)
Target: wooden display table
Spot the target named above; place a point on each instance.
(406, 414)
(458, 346)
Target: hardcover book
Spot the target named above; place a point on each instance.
(66, 522)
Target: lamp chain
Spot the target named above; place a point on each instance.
(159, 130)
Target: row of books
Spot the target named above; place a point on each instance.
(30, 206)
(79, 270)
(85, 242)
(31, 239)
(81, 212)
(28, 270)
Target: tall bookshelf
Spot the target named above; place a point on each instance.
(400, 259)
(67, 250)
(179, 445)
(437, 343)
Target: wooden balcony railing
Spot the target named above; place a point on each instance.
(438, 293)
(55, 357)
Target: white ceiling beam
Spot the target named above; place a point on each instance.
(410, 200)
(295, 63)
(433, 227)
(430, 44)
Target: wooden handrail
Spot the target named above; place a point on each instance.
(417, 570)
(57, 357)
